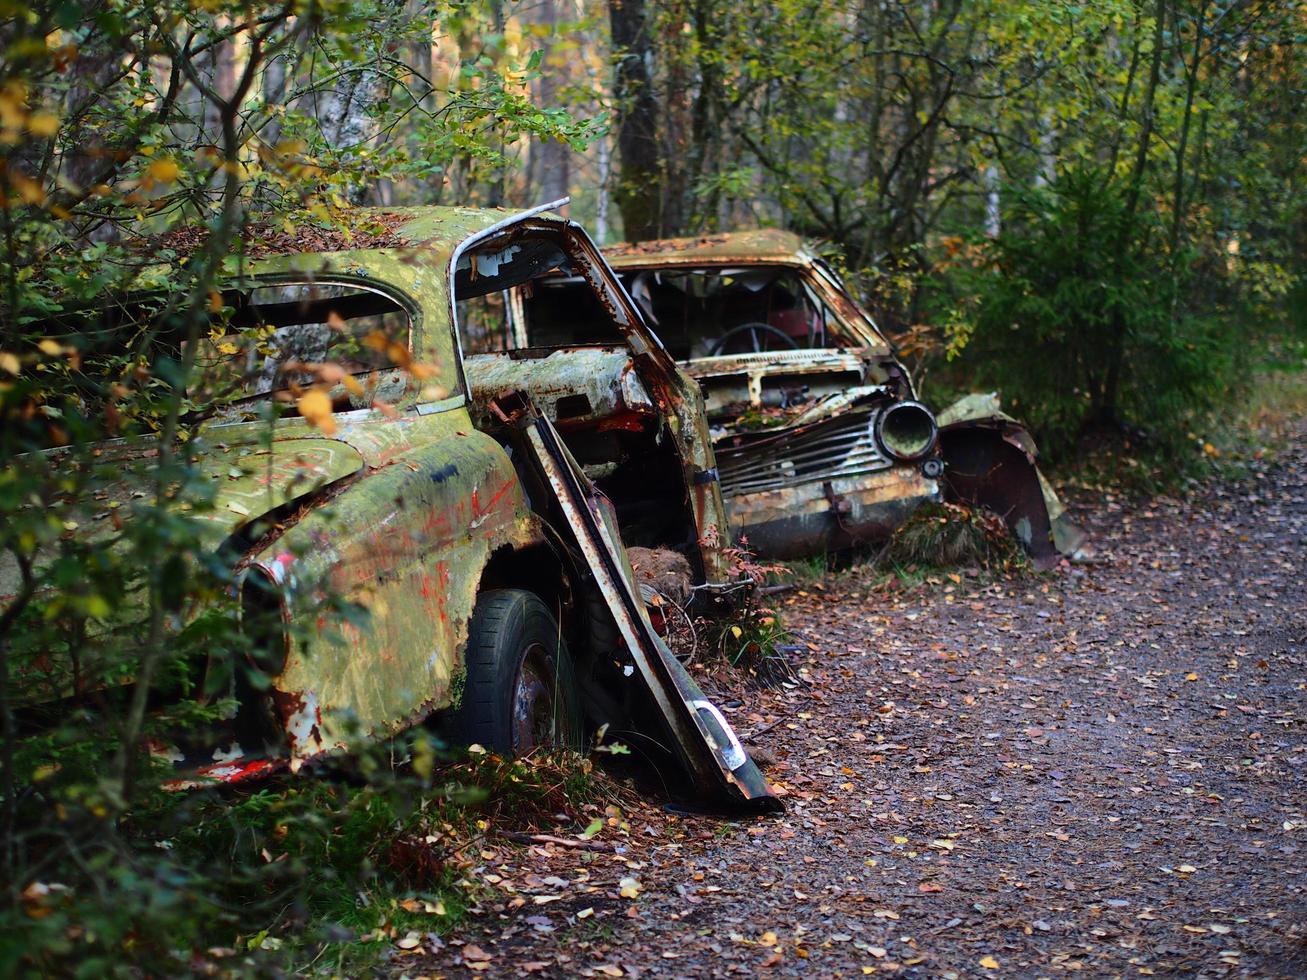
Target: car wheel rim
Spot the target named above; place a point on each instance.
(533, 703)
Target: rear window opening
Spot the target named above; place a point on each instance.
(286, 337)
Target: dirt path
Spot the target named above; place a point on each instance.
(1103, 770)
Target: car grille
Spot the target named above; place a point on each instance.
(831, 449)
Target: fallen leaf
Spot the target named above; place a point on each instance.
(989, 963)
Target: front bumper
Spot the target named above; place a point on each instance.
(818, 517)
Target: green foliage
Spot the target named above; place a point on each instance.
(301, 868)
(753, 641)
(1077, 312)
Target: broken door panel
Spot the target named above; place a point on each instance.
(710, 750)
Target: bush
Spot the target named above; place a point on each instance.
(328, 866)
(1076, 312)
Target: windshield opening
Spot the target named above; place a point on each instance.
(528, 266)
(705, 312)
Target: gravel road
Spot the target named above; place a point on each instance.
(1099, 771)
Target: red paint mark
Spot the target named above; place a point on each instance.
(442, 572)
(239, 771)
(494, 501)
(428, 588)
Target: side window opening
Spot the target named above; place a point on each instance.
(483, 324)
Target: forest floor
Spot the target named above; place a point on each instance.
(1100, 770)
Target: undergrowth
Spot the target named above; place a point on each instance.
(315, 873)
(952, 536)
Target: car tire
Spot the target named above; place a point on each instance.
(519, 693)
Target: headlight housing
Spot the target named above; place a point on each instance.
(906, 430)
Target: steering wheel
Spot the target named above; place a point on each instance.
(756, 330)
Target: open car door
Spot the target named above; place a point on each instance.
(711, 752)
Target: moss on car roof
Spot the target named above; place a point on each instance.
(355, 229)
(760, 245)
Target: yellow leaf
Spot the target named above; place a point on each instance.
(9, 363)
(769, 938)
(989, 963)
(43, 124)
(29, 190)
(50, 348)
(630, 888)
(163, 170)
(315, 407)
(423, 371)
(736, 632)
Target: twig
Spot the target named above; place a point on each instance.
(750, 736)
(584, 845)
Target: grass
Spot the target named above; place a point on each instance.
(945, 536)
(1275, 402)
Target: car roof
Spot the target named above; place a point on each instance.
(765, 245)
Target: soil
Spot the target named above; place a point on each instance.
(1101, 770)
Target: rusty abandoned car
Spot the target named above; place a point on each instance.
(820, 441)
(480, 514)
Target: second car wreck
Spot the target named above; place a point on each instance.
(480, 516)
(820, 441)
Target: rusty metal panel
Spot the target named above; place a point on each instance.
(992, 462)
(761, 245)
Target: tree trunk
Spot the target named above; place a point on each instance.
(344, 118)
(639, 184)
(550, 164)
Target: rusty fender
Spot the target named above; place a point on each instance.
(991, 463)
(409, 546)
